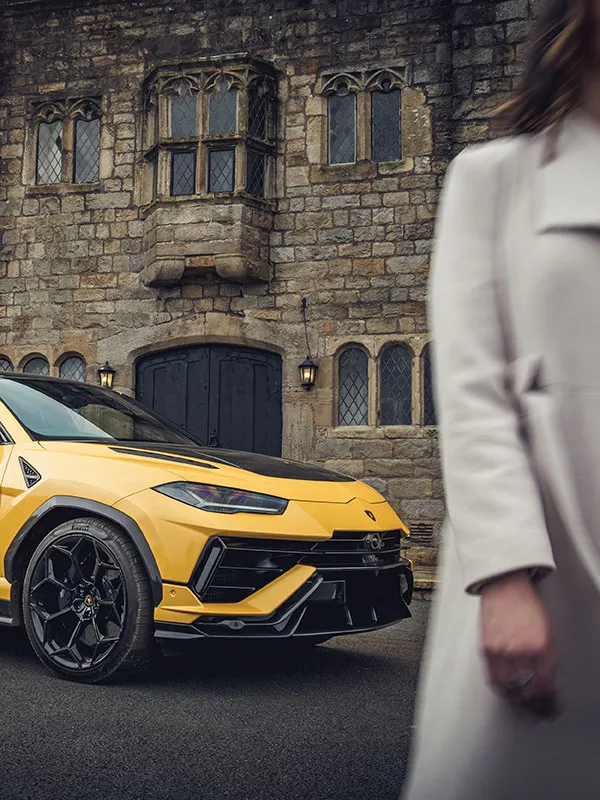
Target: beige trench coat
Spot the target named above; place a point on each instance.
(515, 312)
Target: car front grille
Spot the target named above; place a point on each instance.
(232, 568)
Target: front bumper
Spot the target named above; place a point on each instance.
(277, 588)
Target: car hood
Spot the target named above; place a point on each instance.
(242, 470)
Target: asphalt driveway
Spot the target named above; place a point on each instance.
(234, 723)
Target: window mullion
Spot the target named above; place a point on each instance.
(241, 165)
(373, 411)
(363, 126)
(241, 151)
(202, 128)
(417, 392)
(164, 117)
(68, 151)
(164, 172)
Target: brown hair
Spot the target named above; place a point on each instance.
(552, 82)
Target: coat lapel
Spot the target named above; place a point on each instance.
(570, 179)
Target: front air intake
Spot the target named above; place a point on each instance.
(232, 568)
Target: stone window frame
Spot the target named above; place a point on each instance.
(362, 83)
(68, 111)
(374, 346)
(242, 72)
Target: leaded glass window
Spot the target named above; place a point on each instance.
(256, 173)
(221, 170)
(183, 172)
(217, 129)
(183, 113)
(429, 415)
(37, 366)
(73, 369)
(385, 125)
(49, 152)
(353, 394)
(87, 150)
(259, 113)
(222, 110)
(396, 385)
(342, 127)
(5, 364)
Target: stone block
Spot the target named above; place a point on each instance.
(108, 200)
(352, 468)
(388, 468)
(421, 509)
(512, 9)
(297, 176)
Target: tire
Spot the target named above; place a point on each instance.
(87, 602)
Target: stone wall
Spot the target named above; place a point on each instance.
(354, 240)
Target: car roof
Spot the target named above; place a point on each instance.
(24, 377)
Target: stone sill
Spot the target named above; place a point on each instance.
(383, 432)
(221, 199)
(361, 170)
(62, 189)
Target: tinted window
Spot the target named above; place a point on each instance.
(56, 410)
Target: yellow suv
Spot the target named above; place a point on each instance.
(117, 529)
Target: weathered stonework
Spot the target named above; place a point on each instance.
(97, 270)
(186, 238)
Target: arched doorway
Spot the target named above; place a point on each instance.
(226, 396)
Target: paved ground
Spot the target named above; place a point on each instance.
(333, 724)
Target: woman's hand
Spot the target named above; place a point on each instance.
(516, 642)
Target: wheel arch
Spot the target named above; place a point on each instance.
(61, 509)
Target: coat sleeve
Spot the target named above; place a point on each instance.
(493, 502)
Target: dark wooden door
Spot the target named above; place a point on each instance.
(226, 396)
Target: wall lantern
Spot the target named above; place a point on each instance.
(308, 373)
(308, 368)
(106, 375)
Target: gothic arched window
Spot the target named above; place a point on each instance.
(38, 365)
(395, 369)
(73, 368)
(353, 391)
(341, 112)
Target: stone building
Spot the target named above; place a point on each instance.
(203, 192)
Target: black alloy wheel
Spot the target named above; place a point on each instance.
(87, 602)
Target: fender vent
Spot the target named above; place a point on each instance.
(31, 475)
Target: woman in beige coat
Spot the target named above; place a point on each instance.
(509, 706)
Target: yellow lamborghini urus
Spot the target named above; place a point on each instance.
(118, 530)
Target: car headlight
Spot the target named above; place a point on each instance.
(223, 500)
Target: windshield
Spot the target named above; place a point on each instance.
(56, 410)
